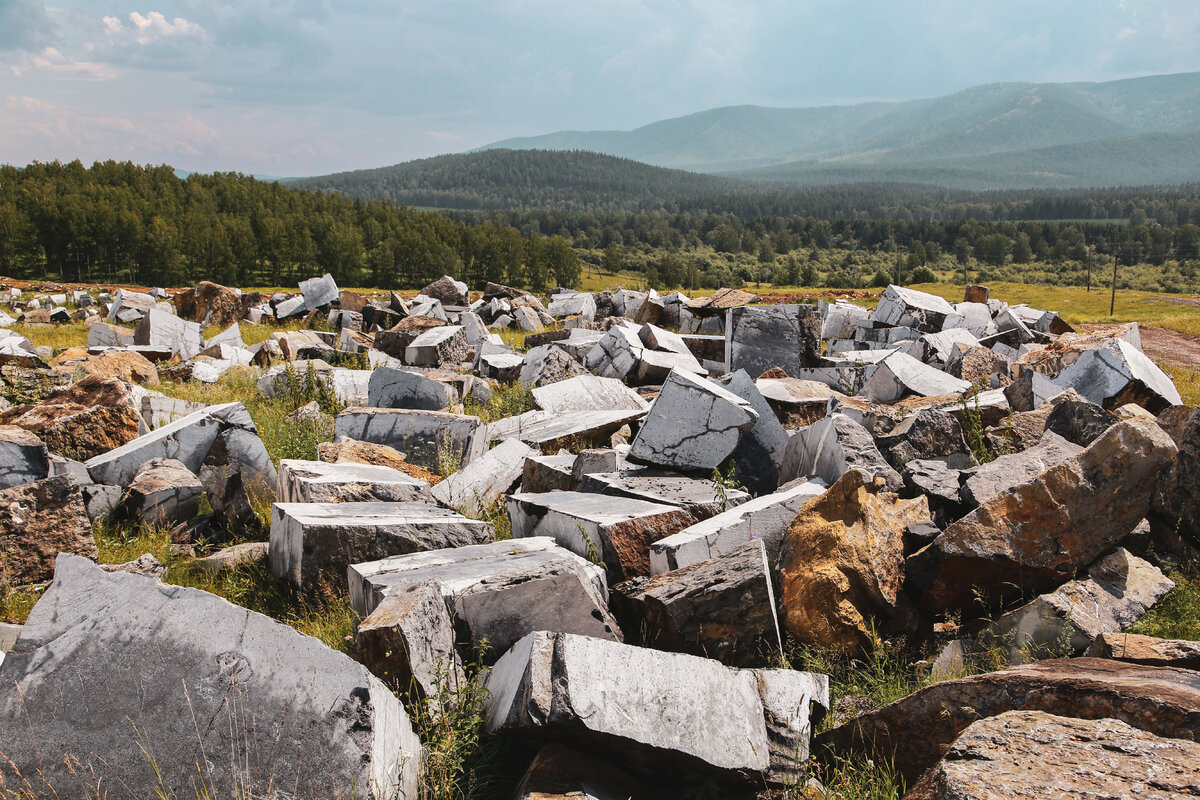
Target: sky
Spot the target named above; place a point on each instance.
(304, 87)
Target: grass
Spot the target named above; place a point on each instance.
(1177, 615)
(56, 337)
(1187, 381)
(506, 401)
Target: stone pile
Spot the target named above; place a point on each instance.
(620, 560)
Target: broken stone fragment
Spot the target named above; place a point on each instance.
(497, 593)
(984, 482)
(484, 482)
(162, 493)
(697, 496)
(842, 565)
(759, 455)
(1117, 373)
(1147, 650)
(1036, 535)
(733, 725)
(786, 337)
(321, 482)
(23, 457)
(38, 521)
(719, 608)
(1033, 754)
(587, 393)
(1176, 501)
(692, 425)
(548, 431)
(441, 346)
(402, 388)
(828, 448)
(430, 439)
(900, 375)
(913, 732)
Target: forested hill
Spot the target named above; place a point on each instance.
(522, 179)
(988, 137)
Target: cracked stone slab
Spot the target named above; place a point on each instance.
(421, 435)
(322, 482)
(547, 431)
(482, 483)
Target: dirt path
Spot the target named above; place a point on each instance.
(1171, 347)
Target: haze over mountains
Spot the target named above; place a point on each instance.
(1133, 132)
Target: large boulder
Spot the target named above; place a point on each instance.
(163, 492)
(914, 732)
(104, 420)
(1117, 373)
(827, 449)
(431, 439)
(759, 338)
(1037, 535)
(1033, 754)
(134, 683)
(759, 455)
(1147, 650)
(448, 291)
(1176, 501)
(23, 457)
(401, 388)
(673, 713)
(38, 521)
(346, 482)
(211, 304)
(842, 565)
(485, 481)
(693, 425)
(984, 482)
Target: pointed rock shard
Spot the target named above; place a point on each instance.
(692, 425)
(486, 480)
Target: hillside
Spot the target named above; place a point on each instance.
(969, 139)
(515, 179)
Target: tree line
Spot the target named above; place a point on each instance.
(121, 222)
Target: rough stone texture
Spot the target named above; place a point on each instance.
(692, 425)
(548, 431)
(759, 454)
(38, 521)
(420, 435)
(1176, 502)
(694, 495)
(163, 492)
(448, 291)
(115, 652)
(129, 366)
(976, 365)
(759, 338)
(238, 475)
(163, 329)
(996, 477)
(351, 451)
(1117, 373)
(1079, 421)
(915, 731)
(828, 448)
(229, 558)
(319, 292)
(212, 304)
(939, 483)
(82, 431)
(347, 482)
(1146, 650)
(719, 609)
(486, 480)
(1033, 754)
(311, 542)
(594, 461)
(680, 712)
(842, 565)
(795, 401)
(587, 393)
(399, 388)
(23, 457)
(617, 354)
(1036, 535)
(560, 773)
(498, 592)
(900, 375)
(764, 518)
(929, 433)
(445, 345)
(1030, 390)
(548, 474)
(598, 528)
(1118, 590)
(408, 641)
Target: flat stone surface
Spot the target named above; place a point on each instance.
(1117, 373)
(1032, 754)
(547, 431)
(593, 526)
(900, 375)
(759, 338)
(322, 482)
(311, 542)
(163, 492)
(828, 448)
(486, 480)
(681, 713)
(587, 393)
(499, 591)
(759, 455)
(996, 477)
(116, 652)
(692, 425)
(697, 496)
(23, 457)
(398, 388)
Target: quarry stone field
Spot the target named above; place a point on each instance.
(646, 545)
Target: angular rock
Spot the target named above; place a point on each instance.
(163, 329)
(559, 773)
(939, 483)
(481, 484)
(230, 558)
(587, 393)
(349, 451)
(1036, 535)
(759, 455)
(407, 642)
(498, 592)
(929, 433)
(448, 291)
(759, 338)
(1146, 650)
(212, 304)
(174, 656)
(900, 375)
(617, 354)
(721, 608)
(1118, 373)
(163, 492)
(445, 345)
(38, 521)
(909, 308)
(319, 292)
(577, 304)
(984, 482)
(401, 388)
(549, 474)
(238, 476)
(597, 528)
(1030, 390)
(130, 306)
(842, 565)
(311, 542)
(1032, 754)
(1079, 421)
(915, 731)
(547, 365)
(104, 335)
(704, 718)
(693, 425)
(1176, 501)
(83, 430)
(23, 457)
(828, 448)
(698, 497)
(427, 438)
(129, 366)
(321, 482)
(594, 461)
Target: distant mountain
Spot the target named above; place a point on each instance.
(515, 179)
(995, 136)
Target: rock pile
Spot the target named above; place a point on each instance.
(690, 482)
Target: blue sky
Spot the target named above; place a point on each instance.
(302, 87)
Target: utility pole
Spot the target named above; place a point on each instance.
(1112, 304)
(1091, 257)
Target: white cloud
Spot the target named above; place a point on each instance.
(151, 28)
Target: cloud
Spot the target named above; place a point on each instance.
(443, 136)
(51, 62)
(151, 28)
(24, 25)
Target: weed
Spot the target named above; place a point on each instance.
(1177, 615)
(855, 778)
(449, 457)
(16, 603)
(507, 401)
(972, 425)
(723, 483)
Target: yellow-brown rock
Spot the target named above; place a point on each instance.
(127, 365)
(842, 564)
